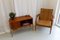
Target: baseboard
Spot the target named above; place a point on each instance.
(4, 33)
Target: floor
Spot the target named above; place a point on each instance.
(6, 36)
(39, 34)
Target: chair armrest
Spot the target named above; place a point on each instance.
(37, 18)
(37, 15)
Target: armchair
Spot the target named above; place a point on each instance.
(45, 18)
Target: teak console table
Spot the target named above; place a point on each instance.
(19, 22)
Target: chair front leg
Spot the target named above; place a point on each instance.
(51, 26)
(50, 30)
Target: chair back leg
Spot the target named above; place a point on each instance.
(50, 30)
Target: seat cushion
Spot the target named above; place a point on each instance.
(44, 22)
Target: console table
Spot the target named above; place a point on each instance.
(19, 22)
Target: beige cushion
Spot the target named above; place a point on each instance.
(44, 22)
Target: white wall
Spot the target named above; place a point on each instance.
(52, 4)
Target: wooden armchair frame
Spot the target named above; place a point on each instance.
(38, 18)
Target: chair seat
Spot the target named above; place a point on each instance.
(44, 22)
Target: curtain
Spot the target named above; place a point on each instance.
(4, 16)
(25, 7)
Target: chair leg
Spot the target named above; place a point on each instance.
(50, 30)
(35, 27)
(51, 27)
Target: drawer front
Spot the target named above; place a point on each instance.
(14, 25)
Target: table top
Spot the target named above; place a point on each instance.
(21, 18)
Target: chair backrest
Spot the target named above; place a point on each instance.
(46, 14)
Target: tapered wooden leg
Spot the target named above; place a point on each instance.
(50, 30)
(51, 27)
(35, 27)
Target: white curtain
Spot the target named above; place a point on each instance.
(31, 7)
(25, 7)
(4, 13)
